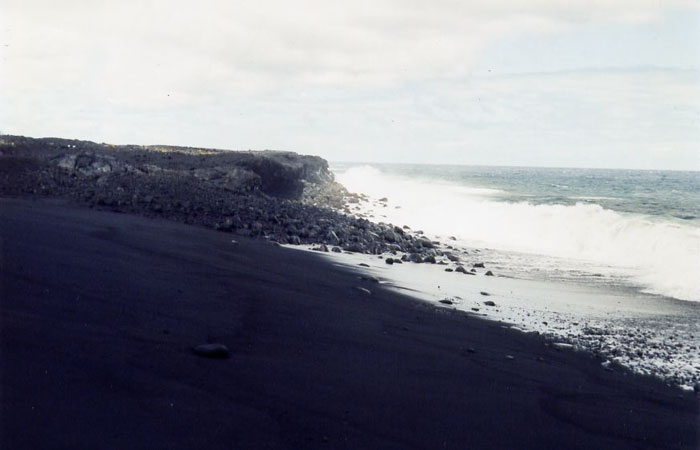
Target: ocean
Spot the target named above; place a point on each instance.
(622, 229)
(607, 261)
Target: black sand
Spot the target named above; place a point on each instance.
(99, 312)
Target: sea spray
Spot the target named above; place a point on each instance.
(657, 253)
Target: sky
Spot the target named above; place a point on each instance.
(606, 83)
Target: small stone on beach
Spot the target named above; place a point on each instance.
(213, 350)
(489, 303)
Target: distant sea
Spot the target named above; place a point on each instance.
(626, 229)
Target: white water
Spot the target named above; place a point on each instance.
(661, 257)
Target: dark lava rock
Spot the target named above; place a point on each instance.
(489, 273)
(416, 258)
(281, 196)
(452, 257)
(446, 301)
(478, 265)
(389, 260)
(449, 270)
(461, 269)
(484, 293)
(363, 265)
(213, 350)
(429, 259)
(425, 242)
(489, 303)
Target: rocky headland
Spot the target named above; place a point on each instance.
(283, 197)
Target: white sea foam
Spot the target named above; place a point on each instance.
(663, 257)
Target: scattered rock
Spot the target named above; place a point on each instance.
(429, 259)
(461, 269)
(413, 257)
(484, 293)
(478, 265)
(489, 273)
(452, 257)
(363, 265)
(446, 301)
(389, 261)
(449, 270)
(489, 303)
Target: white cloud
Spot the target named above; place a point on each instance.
(386, 79)
(136, 50)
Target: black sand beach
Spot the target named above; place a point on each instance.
(100, 310)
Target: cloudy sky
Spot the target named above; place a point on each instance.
(606, 83)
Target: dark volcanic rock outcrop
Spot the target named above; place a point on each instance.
(282, 196)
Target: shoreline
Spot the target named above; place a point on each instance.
(614, 319)
(314, 362)
(657, 339)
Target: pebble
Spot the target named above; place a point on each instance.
(212, 350)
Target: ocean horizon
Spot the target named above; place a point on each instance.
(626, 229)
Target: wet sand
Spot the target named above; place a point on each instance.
(100, 310)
